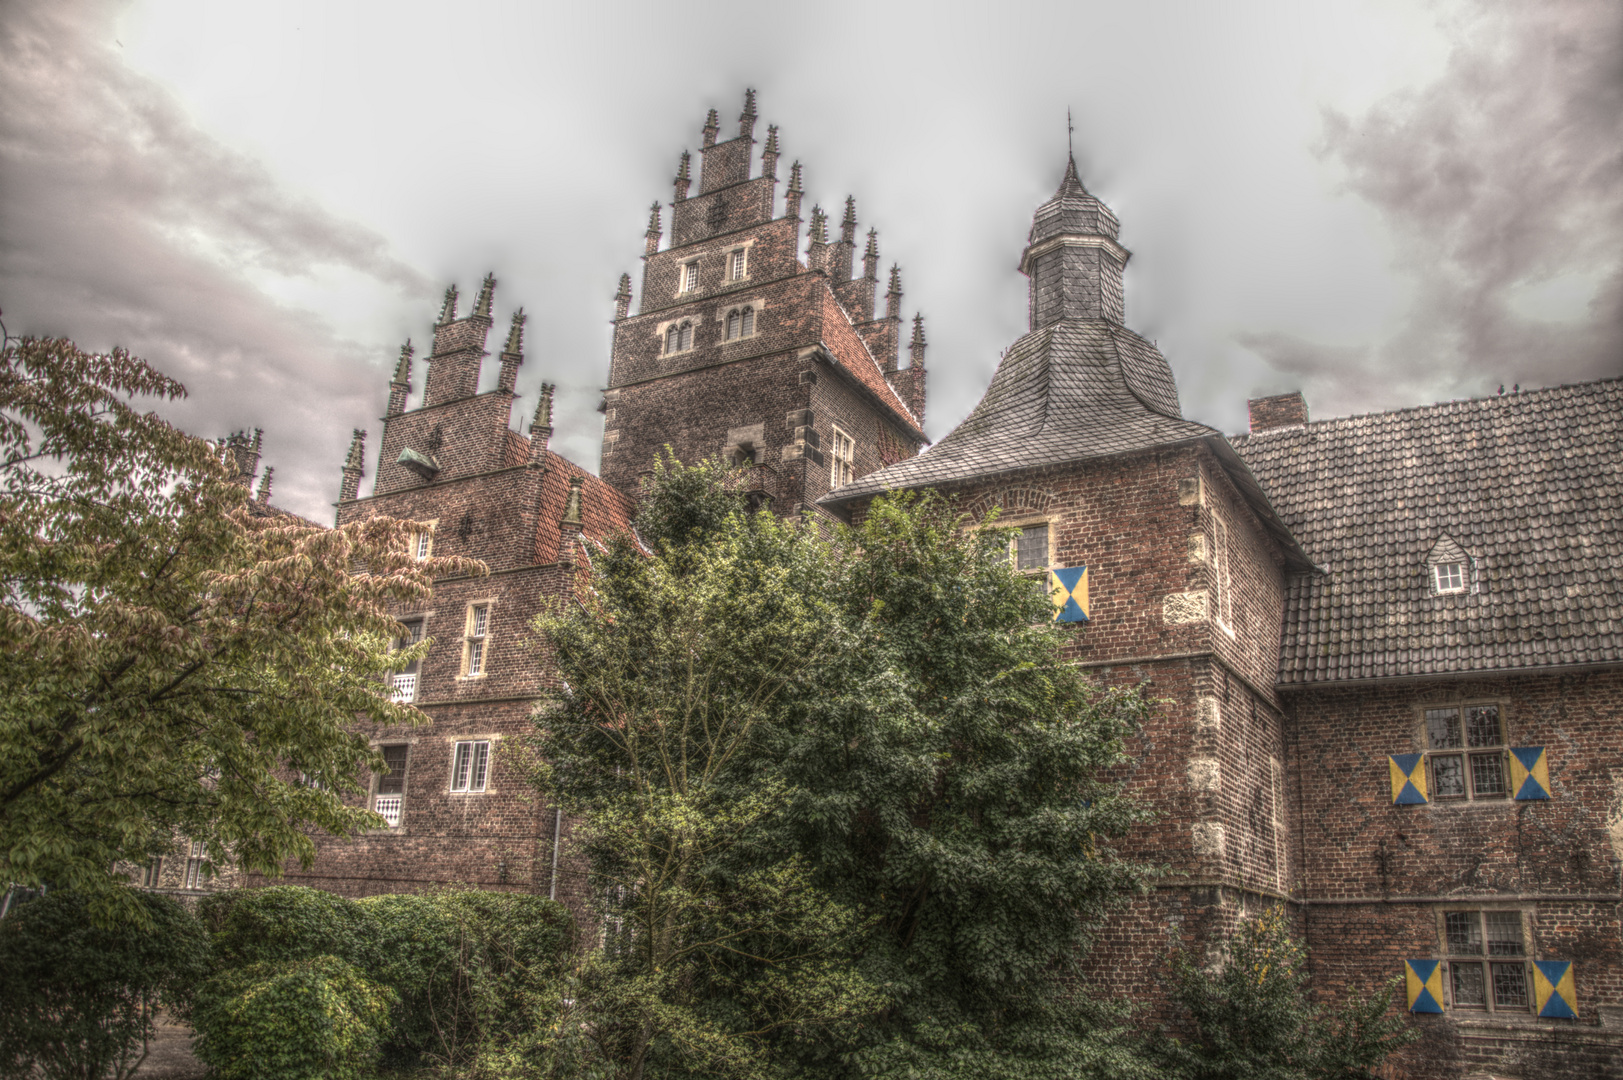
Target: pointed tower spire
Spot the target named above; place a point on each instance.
(1072, 249)
(848, 224)
(817, 248)
(684, 176)
(746, 119)
(893, 296)
(622, 298)
(791, 198)
(354, 466)
(448, 308)
(845, 249)
(512, 353)
(265, 486)
(400, 385)
(870, 257)
(712, 124)
(769, 156)
(487, 294)
(655, 231)
(915, 398)
(541, 425)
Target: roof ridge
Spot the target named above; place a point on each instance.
(1451, 402)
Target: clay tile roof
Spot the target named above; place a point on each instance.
(1530, 485)
(851, 353)
(1072, 390)
(605, 509)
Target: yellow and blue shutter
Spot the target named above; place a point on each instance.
(1069, 593)
(1408, 779)
(1424, 979)
(1529, 772)
(1552, 989)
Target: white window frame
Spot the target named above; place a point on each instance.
(196, 863)
(738, 264)
(403, 684)
(476, 639)
(392, 804)
(1457, 582)
(842, 456)
(1456, 955)
(152, 872)
(687, 280)
(470, 765)
(422, 542)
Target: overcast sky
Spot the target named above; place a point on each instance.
(1379, 203)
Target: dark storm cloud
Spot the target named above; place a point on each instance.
(1504, 175)
(122, 223)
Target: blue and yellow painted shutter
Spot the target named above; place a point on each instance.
(1425, 984)
(1408, 779)
(1529, 772)
(1552, 989)
(1069, 593)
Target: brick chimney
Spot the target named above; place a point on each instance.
(1282, 410)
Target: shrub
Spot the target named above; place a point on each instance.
(1252, 1019)
(471, 967)
(314, 1019)
(78, 1000)
(287, 922)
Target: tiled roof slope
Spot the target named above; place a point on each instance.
(848, 349)
(1530, 484)
(1072, 390)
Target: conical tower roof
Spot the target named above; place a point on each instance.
(1072, 211)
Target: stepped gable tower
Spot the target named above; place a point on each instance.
(458, 808)
(740, 348)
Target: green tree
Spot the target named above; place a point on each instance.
(672, 665)
(173, 659)
(1251, 1018)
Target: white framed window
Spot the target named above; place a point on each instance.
(678, 337)
(843, 458)
(474, 657)
(389, 796)
(1466, 753)
(403, 683)
(690, 277)
(422, 544)
(196, 865)
(736, 264)
(152, 873)
(1487, 954)
(470, 765)
(1448, 577)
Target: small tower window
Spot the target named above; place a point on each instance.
(735, 265)
(679, 338)
(690, 277)
(478, 630)
(844, 457)
(740, 323)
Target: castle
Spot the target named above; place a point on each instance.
(1391, 646)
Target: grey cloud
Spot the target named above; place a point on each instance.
(1505, 173)
(122, 223)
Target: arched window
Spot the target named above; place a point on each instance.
(746, 322)
(679, 338)
(732, 325)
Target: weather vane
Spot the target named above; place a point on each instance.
(1070, 150)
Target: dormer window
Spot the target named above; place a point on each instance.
(735, 265)
(1450, 568)
(679, 338)
(1449, 577)
(740, 323)
(690, 277)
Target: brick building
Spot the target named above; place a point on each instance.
(1391, 645)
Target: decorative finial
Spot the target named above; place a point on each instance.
(683, 177)
(849, 222)
(895, 278)
(712, 124)
(487, 293)
(543, 410)
(746, 119)
(819, 225)
(655, 227)
(357, 450)
(622, 297)
(265, 485)
(872, 250)
(1070, 129)
(771, 139)
(515, 333)
(572, 507)
(794, 177)
(918, 331)
(402, 367)
(448, 309)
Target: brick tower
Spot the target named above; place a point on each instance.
(741, 348)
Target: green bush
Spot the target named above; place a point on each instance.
(77, 999)
(286, 922)
(471, 968)
(313, 1019)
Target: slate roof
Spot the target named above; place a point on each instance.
(1529, 484)
(1072, 390)
(1073, 211)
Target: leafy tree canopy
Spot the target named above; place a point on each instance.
(172, 652)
